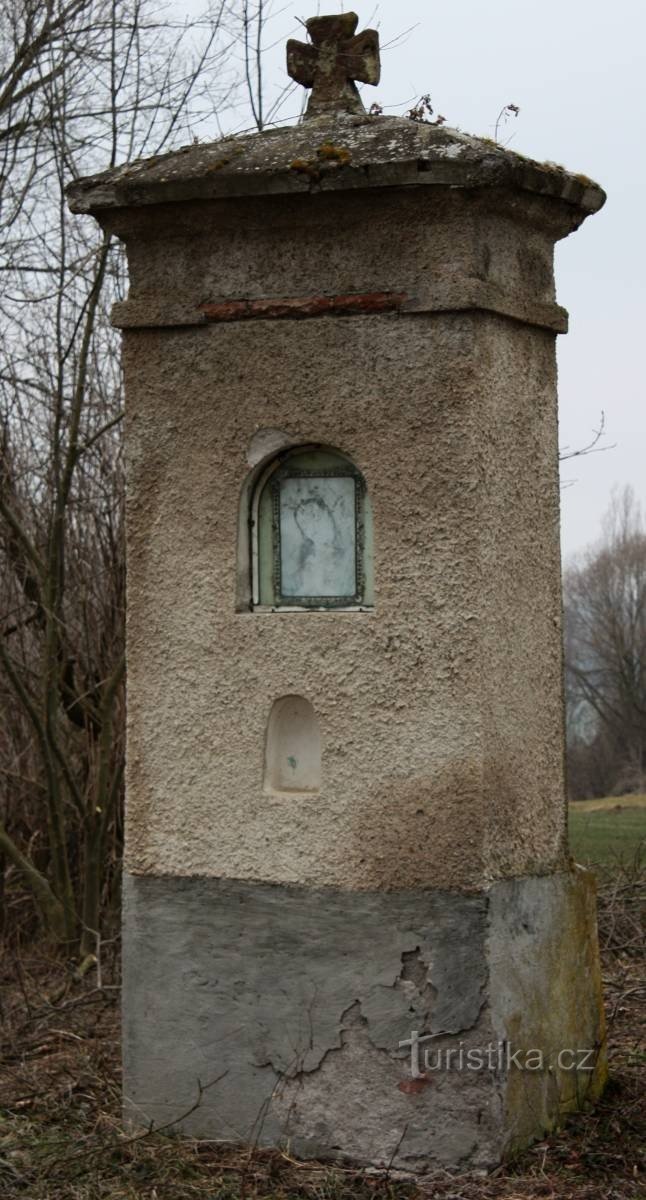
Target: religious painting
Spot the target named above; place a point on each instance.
(313, 534)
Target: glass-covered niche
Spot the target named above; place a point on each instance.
(312, 534)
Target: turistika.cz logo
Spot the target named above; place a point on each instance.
(495, 1056)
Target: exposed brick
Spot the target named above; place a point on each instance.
(301, 307)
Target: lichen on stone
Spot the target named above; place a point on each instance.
(330, 153)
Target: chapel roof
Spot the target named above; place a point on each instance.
(339, 152)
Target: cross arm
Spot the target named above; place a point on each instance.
(363, 62)
(301, 62)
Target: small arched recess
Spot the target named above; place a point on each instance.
(311, 534)
(292, 747)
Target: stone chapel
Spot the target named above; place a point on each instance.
(346, 817)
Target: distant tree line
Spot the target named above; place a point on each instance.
(605, 657)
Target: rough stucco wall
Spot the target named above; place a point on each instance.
(396, 701)
(440, 712)
(398, 692)
(520, 580)
(418, 240)
(292, 1003)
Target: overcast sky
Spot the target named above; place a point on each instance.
(576, 69)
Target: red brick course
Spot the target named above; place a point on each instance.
(301, 307)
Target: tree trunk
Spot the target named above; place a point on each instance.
(49, 906)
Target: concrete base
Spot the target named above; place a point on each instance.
(282, 1011)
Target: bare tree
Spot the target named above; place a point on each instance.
(83, 84)
(605, 652)
(263, 101)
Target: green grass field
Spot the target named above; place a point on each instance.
(608, 831)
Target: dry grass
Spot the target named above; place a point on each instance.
(610, 803)
(60, 1137)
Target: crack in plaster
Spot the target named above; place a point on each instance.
(413, 982)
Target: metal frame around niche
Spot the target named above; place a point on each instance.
(359, 536)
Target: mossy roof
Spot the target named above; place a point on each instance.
(343, 153)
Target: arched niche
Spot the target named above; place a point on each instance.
(292, 747)
(311, 536)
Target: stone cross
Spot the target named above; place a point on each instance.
(332, 63)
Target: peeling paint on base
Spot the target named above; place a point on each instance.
(288, 1006)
